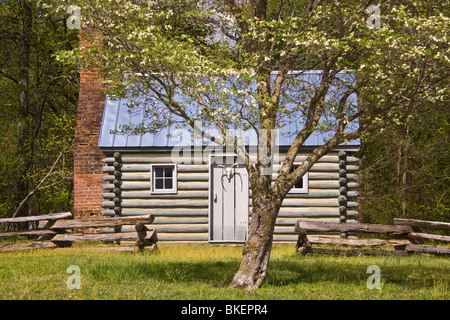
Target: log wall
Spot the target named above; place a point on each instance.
(184, 216)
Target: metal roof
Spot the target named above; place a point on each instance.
(117, 113)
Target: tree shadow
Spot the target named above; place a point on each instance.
(217, 274)
(399, 271)
(281, 272)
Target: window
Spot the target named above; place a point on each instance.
(302, 185)
(164, 178)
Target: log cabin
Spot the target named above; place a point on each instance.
(204, 195)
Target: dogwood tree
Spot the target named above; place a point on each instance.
(236, 64)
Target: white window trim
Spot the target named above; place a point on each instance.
(174, 189)
(305, 188)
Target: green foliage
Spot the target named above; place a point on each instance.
(423, 183)
(38, 100)
(215, 53)
(195, 50)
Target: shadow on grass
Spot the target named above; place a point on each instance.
(415, 272)
(218, 274)
(404, 271)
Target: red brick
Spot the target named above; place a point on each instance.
(87, 155)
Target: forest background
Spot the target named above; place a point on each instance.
(404, 162)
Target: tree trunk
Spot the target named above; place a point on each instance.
(256, 252)
(23, 145)
(402, 166)
(403, 195)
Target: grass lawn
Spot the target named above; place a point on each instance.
(204, 271)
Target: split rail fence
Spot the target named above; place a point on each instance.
(61, 230)
(405, 236)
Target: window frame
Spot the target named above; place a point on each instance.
(305, 188)
(174, 189)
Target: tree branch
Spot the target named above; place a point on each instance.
(38, 187)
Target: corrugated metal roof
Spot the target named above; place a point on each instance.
(117, 113)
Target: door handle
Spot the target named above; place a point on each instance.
(215, 196)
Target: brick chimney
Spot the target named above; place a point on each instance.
(87, 154)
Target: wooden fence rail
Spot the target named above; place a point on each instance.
(59, 230)
(407, 237)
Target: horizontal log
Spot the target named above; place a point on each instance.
(172, 221)
(128, 177)
(193, 185)
(426, 236)
(330, 184)
(129, 186)
(357, 242)
(189, 228)
(189, 194)
(193, 176)
(352, 204)
(132, 172)
(283, 230)
(324, 176)
(197, 185)
(79, 237)
(422, 223)
(318, 194)
(169, 212)
(203, 238)
(316, 226)
(180, 168)
(179, 220)
(52, 216)
(101, 222)
(352, 252)
(352, 185)
(146, 168)
(322, 212)
(428, 249)
(192, 168)
(141, 173)
(183, 237)
(37, 232)
(305, 202)
(174, 227)
(318, 176)
(157, 203)
(199, 176)
(130, 168)
(27, 246)
(352, 194)
(186, 194)
(285, 212)
(284, 238)
(286, 222)
(324, 167)
(292, 221)
(133, 185)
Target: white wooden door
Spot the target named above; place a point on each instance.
(228, 205)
